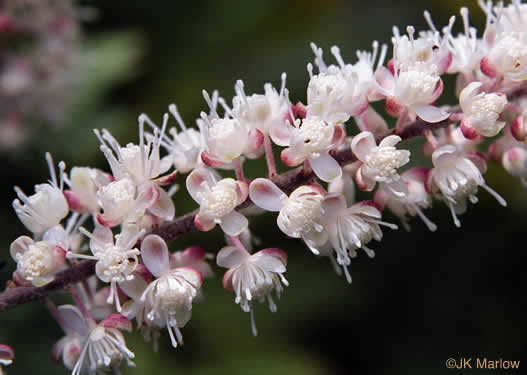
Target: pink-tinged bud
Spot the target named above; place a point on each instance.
(108, 223)
(445, 62)
(361, 184)
(429, 183)
(167, 180)
(6, 25)
(515, 161)
(370, 204)
(210, 161)
(60, 255)
(518, 129)
(468, 131)
(380, 198)
(74, 202)
(393, 107)
(318, 189)
(391, 66)
(419, 174)
(495, 152)
(256, 139)
(117, 321)
(299, 111)
(488, 68)
(242, 190)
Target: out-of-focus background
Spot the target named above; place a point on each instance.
(424, 298)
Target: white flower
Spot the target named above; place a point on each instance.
(411, 88)
(217, 201)
(116, 261)
(429, 48)
(84, 183)
(299, 212)
(506, 42)
(335, 93)
(346, 229)
(185, 147)
(457, 176)
(511, 153)
(413, 203)
(380, 163)
(226, 138)
(141, 163)
(481, 111)
(466, 49)
(47, 207)
(311, 139)
(166, 301)
(253, 276)
(268, 112)
(88, 348)
(117, 199)
(37, 262)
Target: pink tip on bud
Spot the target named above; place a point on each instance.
(468, 132)
(496, 152)
(380, 198)
(393, 107)
(391, 66)
(101, 220)
(488, 68)
(299, 111)
(373, 204)
(167, 180)
(210, 161)
(73, 200)
(256, 139)
(518, 129)
(117, 321)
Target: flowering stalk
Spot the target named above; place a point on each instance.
(143, 281)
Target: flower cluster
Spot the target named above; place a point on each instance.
(128, 212)
(35, 82)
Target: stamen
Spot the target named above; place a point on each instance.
(173, 110)
(498, 197)
(51, 168)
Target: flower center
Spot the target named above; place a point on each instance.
(36, 262)
(385, 161)
(221, 200)
(316, 135)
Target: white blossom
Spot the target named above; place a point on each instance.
(47, 207)
(217, 201)
(379, 163)
(298, 213)
(166, 301)
(253, 276)
(456, 177)
(116, 260)
(481, 111)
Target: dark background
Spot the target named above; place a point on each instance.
(425, 297)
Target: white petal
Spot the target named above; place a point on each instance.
(267, 195)
(154, 253)
(390, 141)
(431, 114)
(101, 238)
(133, 288)
(164, 207)
(73, 319)
(234, 223)
(362, 144)
(199, 182)
(467, 94)
(231, 256)
(442, 152)
(326, 168)
(267, 262)
(20, 246)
